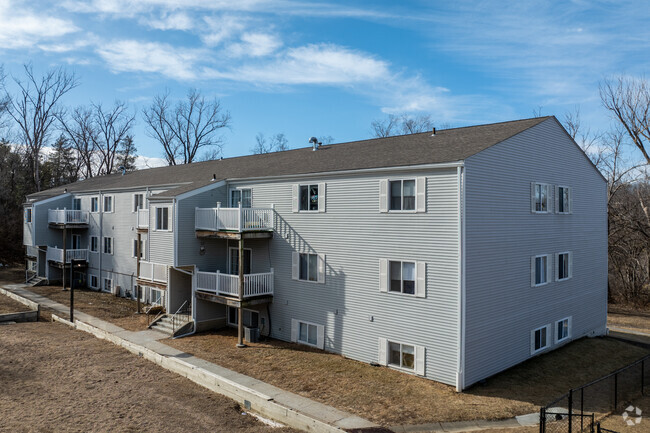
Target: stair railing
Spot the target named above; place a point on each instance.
(149, 322)
(185, 309)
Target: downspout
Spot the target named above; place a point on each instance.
(460, 374)
(100, 238)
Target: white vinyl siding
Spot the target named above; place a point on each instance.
(540, 200)
(540, 339)
(563, 266)
(403, 356)
(540, 270)
(310, 334)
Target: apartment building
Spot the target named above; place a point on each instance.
(450, 254)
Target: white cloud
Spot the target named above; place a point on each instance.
(255, 45)
(22, 28)
(136, 56)
(171, 21)
(220, 29)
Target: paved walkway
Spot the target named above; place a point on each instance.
(334, 417)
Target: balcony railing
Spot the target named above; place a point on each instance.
(142, 219)
(65, 216)
(233, 219)
(228, 285)
(154, 272)
(56, 255)
(32, 251)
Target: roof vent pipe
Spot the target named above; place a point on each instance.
(121, 167)
(315, 143)
(214, 177)
(434, 132)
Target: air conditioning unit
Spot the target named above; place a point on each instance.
(252, 335)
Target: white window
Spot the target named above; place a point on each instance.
(308, 267)
(28, 215)
(540, 270)
(108, 203)
(156, 297)
(563, 266)
(162, 218)
(540, 197)
(138, 202)
(94, 204)
(93, 281)
(563, 329)
(76, 204)
(134, 253)
(243, 196)
(563, 199)
(311, 334)
(402, 194)
(94, 244)
(108, 284)
(540, 339)
(308, 198)
(108, 245)
(402, 277)
(32, 266)
(400, 355)
(250, 318)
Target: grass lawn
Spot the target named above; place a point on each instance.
(119, 311)
(8, 305)
(628, 318)
(389, 397)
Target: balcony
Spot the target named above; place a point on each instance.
(31, 251)
(64, 217)
(210, 221)
(142, 219)
(55, 255)
(153, 273)
(227, 285)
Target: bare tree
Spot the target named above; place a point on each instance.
(628, 99)
(35, 107)
(402, 124)
(79, 128)
(112, 126)
(191, 125)
(277, 143)
(586, 139)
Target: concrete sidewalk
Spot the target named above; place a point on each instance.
(268, 400)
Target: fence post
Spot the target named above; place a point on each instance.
(615, 391)
(542, 420)
(582, 409)
(642, 376)
(570, 408)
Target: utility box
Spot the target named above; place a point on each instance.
(252, 335)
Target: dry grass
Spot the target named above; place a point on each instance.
(389, 397)
(615, 421)
(119, 311)
(8, 305)
(628, 318)
(12, 274)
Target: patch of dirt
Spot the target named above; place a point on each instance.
(12, 273)
(54, 378)
(8, 305)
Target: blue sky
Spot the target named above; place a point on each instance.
(328, 68)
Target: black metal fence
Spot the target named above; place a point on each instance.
(574, 411)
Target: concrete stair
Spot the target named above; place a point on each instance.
(35, 280)
(165, 325)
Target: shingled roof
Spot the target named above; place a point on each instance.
(447, 145)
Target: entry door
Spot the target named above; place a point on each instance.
(234, 261)
(76, 242)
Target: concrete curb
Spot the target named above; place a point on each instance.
(34, 306)
(23, 316)
(251, 399)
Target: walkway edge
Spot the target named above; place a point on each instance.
(28, 302)
(248, 398)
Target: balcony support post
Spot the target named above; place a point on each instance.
(137, 267)
(240, 311)
(64, 255)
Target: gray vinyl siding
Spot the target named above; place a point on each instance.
(502, 234)
(354, 235)
(28, 228)
(189, 248)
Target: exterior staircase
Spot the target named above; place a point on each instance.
(35, 280)
(165, 323)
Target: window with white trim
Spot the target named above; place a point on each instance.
(108, 203)
(94, 282)
(28, 215)
(308, 333)
(308, 267)
(562, 330)
(94, 204)
(243, 196)
(156, 297)
(309, 197)
(108, 245)
(402, 194)
(94, 244)
(563, 262)
(402, 277)
(540, 339)
(540, 270)
(138, 202)
(563, 199)
(108, 284)
(540, 200)
(162, 218)
(134, 253)
(400, 355)
(76, 204)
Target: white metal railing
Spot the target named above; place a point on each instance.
(56, 255)
(153, 272)
(228, 285)
(142, 219)
(32, 251)
(66, 216)
(238, 219)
